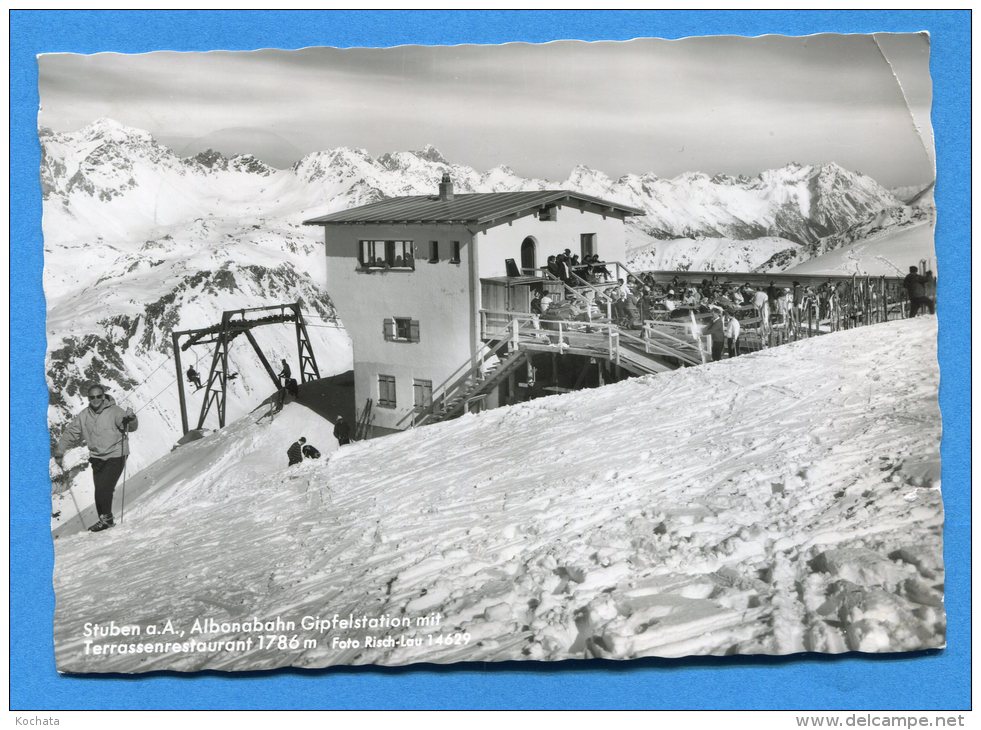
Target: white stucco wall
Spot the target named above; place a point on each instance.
(441, 296)
(437, 295)
(552, 237)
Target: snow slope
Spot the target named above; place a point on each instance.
(708, 254)
(886, 253)
(781, 502)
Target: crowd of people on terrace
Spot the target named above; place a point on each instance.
(569, 269)
(717, 305)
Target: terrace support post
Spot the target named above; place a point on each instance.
(882, 299)
(581, 378)
(175, 338)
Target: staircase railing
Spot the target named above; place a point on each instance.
(574, 291)
(599, 294)
(627, 274)
(459, 380)
(599, 338)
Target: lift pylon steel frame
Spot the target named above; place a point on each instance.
(234, 323)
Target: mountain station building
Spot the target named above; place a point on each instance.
(413, 279)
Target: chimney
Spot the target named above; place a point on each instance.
(446, 187)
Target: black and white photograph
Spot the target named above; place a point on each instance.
(483, 353)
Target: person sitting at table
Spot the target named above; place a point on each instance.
(599, 268)
(553, 267)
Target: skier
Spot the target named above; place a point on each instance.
(193, 378)
(285, 372)
(103, 427)
(310, 452)
(295, 452)
(342, 431)
(292, 388)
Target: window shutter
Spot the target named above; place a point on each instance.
(414, 330)
(388, 329)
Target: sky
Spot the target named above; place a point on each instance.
(710, 104)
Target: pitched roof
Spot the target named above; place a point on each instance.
(473, 208)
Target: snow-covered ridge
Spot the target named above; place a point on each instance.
(801, 203)
(779, 502)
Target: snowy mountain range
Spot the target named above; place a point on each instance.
(107, 161)
(140, 241)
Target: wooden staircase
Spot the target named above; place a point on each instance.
(456, 404)
(635, 355)
(494, 361)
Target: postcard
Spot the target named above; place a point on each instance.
(491, 353)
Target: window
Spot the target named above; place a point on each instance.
(456, 252)
(587, 244)
(422, 393)
(372, 253)
(401, 329)
(547, 214)
(433, 252)
(386, 391)
(386, 255)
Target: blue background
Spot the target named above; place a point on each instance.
(927, 680)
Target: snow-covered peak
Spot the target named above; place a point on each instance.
(587, 180)
(430, 154)
(251, 164)
(340, 161)
(109, 130)
(212, 159)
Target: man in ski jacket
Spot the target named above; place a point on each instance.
(916, 291)
(342, 431)
(104, 428)
(295, 452)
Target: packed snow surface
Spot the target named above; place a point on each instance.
(887, 253)
(779, 502)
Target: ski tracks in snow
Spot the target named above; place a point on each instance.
(780, 502)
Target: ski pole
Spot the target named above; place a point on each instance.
(122, 506)
(78, 512)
